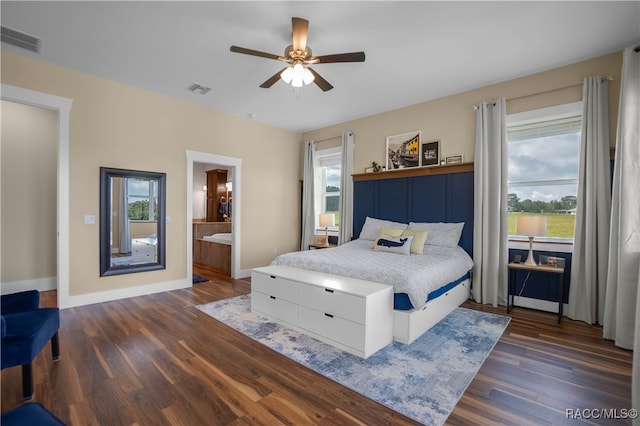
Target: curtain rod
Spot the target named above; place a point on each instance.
(328, 139)
(608, 78)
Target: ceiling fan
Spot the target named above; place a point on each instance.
(298, 56)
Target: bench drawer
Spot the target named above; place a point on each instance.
(272, 285)
(337, 303)
(274, 307)
(338, 329)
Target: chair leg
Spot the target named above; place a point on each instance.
(55, 347)
(27, 382)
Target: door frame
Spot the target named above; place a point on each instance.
(63, 107)
(234, 165)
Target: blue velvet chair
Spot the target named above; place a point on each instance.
(26, 329)
(30, 414)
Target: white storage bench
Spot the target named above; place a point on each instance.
(353, 315)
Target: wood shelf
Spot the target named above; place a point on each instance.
(414, 171)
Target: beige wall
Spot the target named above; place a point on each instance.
(28, 150)
(116, 125)
(452, 119)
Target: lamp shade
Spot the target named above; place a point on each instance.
(327, 220)
(531, 226)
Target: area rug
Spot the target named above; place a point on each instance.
(198, 279)
(423, 381)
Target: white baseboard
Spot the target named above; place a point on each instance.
(40, 284)
(541, 305)
(123, 293)
(243, 273)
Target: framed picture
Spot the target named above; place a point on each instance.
(454, 159)
(430, 153)
(403, 150)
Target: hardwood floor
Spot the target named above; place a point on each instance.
(156, 360)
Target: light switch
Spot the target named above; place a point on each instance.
(168, 219)
(89, 219)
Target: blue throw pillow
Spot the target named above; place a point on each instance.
(400, 245)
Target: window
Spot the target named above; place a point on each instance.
(142, 199)
(328, 178)
(543, 163)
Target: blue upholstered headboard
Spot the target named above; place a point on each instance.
(431, 198)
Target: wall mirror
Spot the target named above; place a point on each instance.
(132, 221)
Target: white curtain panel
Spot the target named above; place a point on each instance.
(591, 241)
(124, 232)
(622, 303)
(346, 189)
(490, 252)
(308, 198)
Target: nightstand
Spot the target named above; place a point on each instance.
(557, 271)
(320, 246)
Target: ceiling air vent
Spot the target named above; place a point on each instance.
(197, 88)
(19, 39)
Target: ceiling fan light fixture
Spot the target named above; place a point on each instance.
(297, 75)
(296, 81)
(307, 76)
(287, 75)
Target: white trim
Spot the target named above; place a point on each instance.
(550, 113)
(40, 284)
(541, 246)
(127, 292)
(538, 304)
(63, 107)
(235, 166)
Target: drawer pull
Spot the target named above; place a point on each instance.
(272, 297)
(328, 290)
(272, 276)
(328, 315)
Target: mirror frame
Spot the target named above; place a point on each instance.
(106, 269)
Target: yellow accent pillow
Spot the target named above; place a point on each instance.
(419, 239)
(389, 232)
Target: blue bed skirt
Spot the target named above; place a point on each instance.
(401, 301)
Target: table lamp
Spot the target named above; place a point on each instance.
(327, 220)
(531, 226)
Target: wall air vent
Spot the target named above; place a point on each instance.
(20, 39)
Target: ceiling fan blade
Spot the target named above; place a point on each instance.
(300, 28)
(252, 52)
(273, 79)
(339, 57)
(321, 82)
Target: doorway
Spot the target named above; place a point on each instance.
(63, 107)
(233, 165)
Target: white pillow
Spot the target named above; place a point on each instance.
(439, 234)
(400, 245)
(372, 226)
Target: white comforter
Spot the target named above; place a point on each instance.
(417, 275)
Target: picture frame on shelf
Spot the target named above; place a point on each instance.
(430, 153)
(403, 150)
(454, 159)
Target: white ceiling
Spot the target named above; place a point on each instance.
(415, 51)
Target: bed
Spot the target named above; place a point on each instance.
(430, 277)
